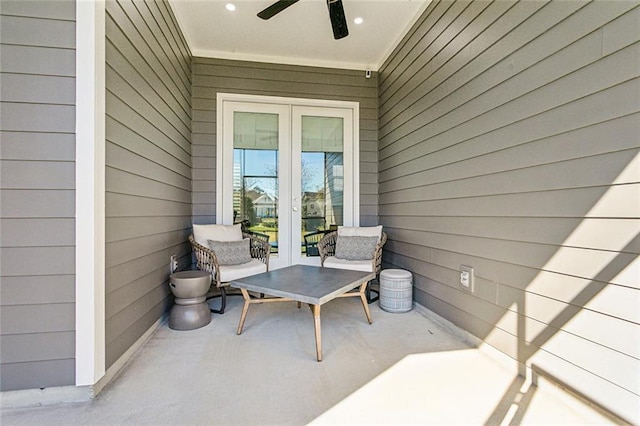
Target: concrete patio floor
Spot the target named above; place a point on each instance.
(404, 369)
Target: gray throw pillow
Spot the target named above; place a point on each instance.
(231, 252)
(356, 248)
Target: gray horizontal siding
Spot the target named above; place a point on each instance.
(50, 175)
(37, 203)
(211, 76)
(518, 155)
(508, 142)
(28, 31)
(37, 179)
(37, 60)
(29, 375)
(37, 290)
(37, 146)
(45, 347)
(148, 165)
(30, 117)
(51, 354)
(37, 88)
(19, 261)
(61, 10)
(24, 319)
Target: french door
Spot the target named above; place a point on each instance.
(288, 169)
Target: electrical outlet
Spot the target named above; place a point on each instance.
(467, 278)
(173, 264)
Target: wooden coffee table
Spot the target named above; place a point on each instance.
(304, 284)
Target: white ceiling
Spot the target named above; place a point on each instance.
(299, 35)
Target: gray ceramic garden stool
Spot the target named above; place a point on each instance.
(396, 290)
(191, 310)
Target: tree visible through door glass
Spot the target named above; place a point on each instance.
(321, 179)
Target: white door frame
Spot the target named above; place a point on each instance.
(224, 158)
(224, 197)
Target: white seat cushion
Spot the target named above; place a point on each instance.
(234, 272)
(353, 265)
(202, 233)
(360, 231)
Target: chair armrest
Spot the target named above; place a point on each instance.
(206, 259)
(311, 241)
(257, 235)
(378, 254)
(327, 246)
(259, 248)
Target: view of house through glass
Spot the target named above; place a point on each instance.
(255, 173)
(322, 179)
(255, 176)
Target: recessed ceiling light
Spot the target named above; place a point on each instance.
(358, 21)
(230, 7)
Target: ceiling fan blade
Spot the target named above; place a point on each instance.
(338, 20)
(275, 8)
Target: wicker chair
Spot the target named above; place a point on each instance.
(206, 260)
(327, 248)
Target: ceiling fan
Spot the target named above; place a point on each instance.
(336, 15)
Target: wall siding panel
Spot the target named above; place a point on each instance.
(148, 166)
(29, 31)
(211, 76)
(37, 185)
(509, 142)
(32, 375)
(37, 290)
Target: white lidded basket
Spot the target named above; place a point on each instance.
(396, 290)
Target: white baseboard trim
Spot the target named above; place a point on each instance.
(65, 394)
(474, 341)
(122, 362)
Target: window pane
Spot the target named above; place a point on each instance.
(322, 179)
(261, 163)
(255, 174)
(253, 130)
(322, 134)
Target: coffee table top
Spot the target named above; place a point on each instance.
(308, 284)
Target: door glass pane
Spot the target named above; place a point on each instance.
(255, 174)
(322, 179)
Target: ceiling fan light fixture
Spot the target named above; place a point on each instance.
(336, 15)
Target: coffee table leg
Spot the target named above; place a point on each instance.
(316, 320)
(363, 298)
(245, 308)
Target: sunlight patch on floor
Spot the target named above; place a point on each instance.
(457, 387)
(445, 387)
